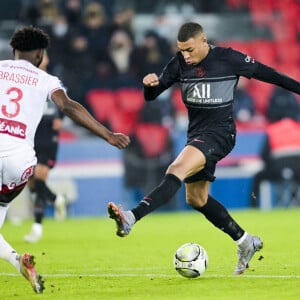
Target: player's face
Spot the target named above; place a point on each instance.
(194, 49)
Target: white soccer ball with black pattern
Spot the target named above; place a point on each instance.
(190, 260)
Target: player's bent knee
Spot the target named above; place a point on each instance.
(195, 202)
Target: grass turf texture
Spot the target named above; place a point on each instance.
(84, 259)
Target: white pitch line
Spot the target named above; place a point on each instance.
(163, 275)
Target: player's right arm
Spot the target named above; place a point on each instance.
(154, 85)
(81, 116)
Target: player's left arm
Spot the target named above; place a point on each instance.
(270, 75)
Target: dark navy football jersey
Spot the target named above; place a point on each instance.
(207, 88)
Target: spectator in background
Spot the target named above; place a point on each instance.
(103, 77)
(46, 146)
(152, 54)
(281, 150)
(123, 16)
(72, 10)
(120, 51)
(96, 28)
(282, 103)
(59, 33)
(280, 154)
(243, 106)
(41, 13)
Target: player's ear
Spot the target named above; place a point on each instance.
(39, 54)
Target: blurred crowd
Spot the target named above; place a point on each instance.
(96, 52)
(94, 46)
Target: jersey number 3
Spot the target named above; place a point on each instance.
(15, 95)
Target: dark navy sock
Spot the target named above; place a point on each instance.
(218, 215)
(159, 196)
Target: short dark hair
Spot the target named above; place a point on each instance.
(29, 38)
(189, 30)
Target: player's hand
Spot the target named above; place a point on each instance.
(151, 80)
(119, 140)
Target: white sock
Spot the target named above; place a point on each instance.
(240, 240)
(3, 212)
(131, 218)
(37, 228)
(8, 253)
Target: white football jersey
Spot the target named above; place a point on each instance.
(24, 90)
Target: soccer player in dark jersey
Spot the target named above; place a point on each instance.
(46, 146)
(207, 76)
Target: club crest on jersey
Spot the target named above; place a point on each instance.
(27, 173)
(249, 59)
(200, 72)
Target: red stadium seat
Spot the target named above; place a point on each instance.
(242, 46)
(288, 54)
(177, 101)
(152, 137)
(130, 99)
(290, 69)
(264, 51)
(261, 92)
(124, 122)
(102, 102)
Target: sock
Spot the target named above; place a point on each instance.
(39, 208)
(8, 253)
(159, 196)
(3, 212)
(218, 215)
(43, 191)
(240, 240)
(37, 228)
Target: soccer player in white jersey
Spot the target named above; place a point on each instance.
(24, 89)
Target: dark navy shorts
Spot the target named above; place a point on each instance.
(214, 146)
(46, 150)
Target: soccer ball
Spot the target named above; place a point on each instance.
(190, 260)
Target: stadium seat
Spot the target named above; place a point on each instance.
(261, 92)
(102, 102)
(124, 122)
(264, 51)
(130, 99)
(242, 46)
(152, 137)
(236, 4)
(289, 54)
(285, 32)
(261, 11)
(177, 101)
(290, 69)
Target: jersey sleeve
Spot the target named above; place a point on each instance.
(54, 85)
(243, 64)
(170, 73)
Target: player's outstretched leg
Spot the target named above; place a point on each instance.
(246, 251)
(124, 219)
(28, 271)
(35, 233)
(60, 206)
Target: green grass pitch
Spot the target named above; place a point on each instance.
(83, 259)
